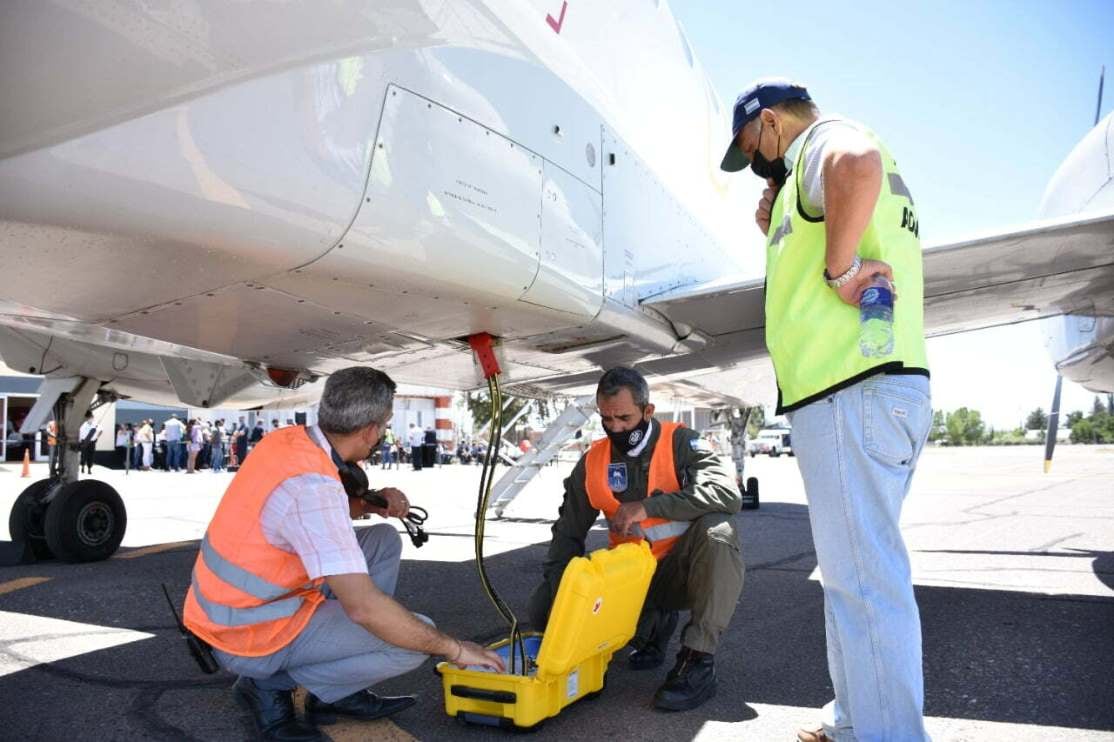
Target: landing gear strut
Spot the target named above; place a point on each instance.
(60, 516)
(738, 423)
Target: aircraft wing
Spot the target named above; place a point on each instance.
(1043, 269)
(1058, 266)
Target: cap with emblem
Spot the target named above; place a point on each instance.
(769, 91)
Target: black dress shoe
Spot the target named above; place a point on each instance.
(273, 713)
(691, 682)
(652, 652)
(647, 658)
(363, 705)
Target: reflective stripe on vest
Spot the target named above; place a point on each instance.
(660, 532)
(226, 615)
(812, 335)
(669, 529)
(238, 577)
(248, 597)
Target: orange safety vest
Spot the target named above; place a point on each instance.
(247, 597)
(660, 532)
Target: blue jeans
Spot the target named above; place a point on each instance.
(216, 457)
(857, 450)
(173, 457)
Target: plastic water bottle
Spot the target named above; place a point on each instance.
(876, 318)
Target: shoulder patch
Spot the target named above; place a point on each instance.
(699, 444)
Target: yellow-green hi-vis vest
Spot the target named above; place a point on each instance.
(812, 335)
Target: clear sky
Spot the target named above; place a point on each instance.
(978, 101)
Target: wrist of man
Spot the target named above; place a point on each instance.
(839, 280)
(651, 507)
(451, 648)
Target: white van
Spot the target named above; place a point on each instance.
(774, 442)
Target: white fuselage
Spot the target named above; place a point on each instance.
(306, 186)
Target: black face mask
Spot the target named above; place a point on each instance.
(766, 169)
(629, 439)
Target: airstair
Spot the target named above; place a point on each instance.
(527, 466)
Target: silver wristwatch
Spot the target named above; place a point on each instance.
(841, 281)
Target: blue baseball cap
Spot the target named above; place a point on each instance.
(766, 92)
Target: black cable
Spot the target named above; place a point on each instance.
(413, 521)
(354, 480)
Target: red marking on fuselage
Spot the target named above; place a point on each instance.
(556, 24)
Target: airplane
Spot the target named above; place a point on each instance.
(205, 205)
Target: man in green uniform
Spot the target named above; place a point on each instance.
(661, 482)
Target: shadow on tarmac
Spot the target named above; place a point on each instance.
(990, 655)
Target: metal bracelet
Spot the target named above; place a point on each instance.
(844, 279)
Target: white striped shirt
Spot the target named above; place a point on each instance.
(308, 515)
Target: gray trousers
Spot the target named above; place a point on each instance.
(333, 657)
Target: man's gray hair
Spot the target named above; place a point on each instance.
(354, 398)
(798, 108)
(620, 378)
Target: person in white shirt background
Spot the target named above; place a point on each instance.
(88, 435)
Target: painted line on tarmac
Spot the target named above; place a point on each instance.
(156, 549)
(380, 729)
(12, 585)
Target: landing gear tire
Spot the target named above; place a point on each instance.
(28, 517)
(85, 522)
(750, 494)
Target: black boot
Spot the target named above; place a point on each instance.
(652, 652)
(273, 713)
(363, 705)
(691, 682)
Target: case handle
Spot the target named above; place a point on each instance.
(483, 694)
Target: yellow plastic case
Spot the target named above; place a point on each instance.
(593, 616)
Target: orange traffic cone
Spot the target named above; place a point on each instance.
(26, 463)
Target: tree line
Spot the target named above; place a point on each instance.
(965, 427)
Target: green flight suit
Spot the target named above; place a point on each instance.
(704, 571)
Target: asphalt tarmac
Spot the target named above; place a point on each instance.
(1014, 573)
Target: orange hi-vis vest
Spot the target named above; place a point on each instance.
(660, 532)
(247, 597)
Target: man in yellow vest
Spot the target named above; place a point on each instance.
(288, 593)
(838, 218)
(660, 482)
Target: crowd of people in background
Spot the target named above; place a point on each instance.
(194, 444)
(420, 449)
(188, 445)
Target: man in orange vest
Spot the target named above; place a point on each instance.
(288, 593)
(660, 482)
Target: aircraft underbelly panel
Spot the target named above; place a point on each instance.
(451, 207)
(652, 243)
(570, 277)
